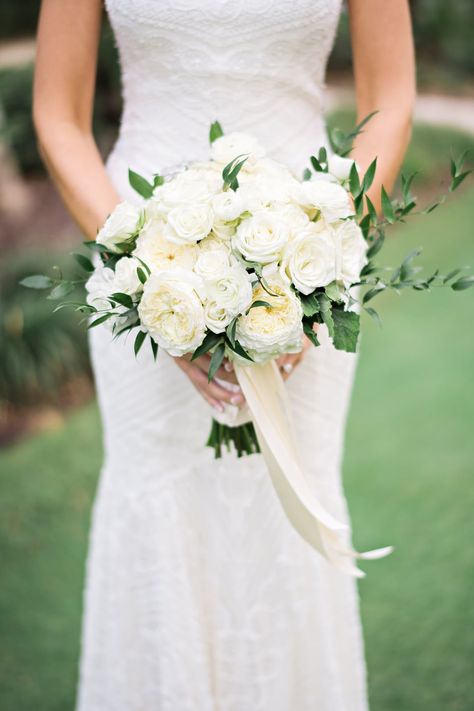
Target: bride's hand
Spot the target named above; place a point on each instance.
(288, 362)
(214, 393)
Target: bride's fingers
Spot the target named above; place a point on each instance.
(210, 390)
(203, 362)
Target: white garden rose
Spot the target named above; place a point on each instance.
(330, 199)
(228, 205)
(120, 226)
(190, 187)
(211, 263)
(225, 148)
(160, 253)
(351, 251)
(104, 282)
(268, 332)
(309, 261)
(171, 310)
(340, 167)
(261, 237)
(189, 223)
(228, 295)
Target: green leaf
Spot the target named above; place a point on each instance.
(37, 281)
(451, 275)
(258, 303)
(140, 184)
(463, 283)
(387, 206)
(123, 299)
(373, 292)
(215, 131)
(364, 225)
(316, 164)
(158, 180)
(333, 291)
(154, 348)
(100, 320)
(230, 331)
(140, 337)
(346, 329)
(237, 348)
(141, 275)
(84, 262)
(373, 314)
(210, 340)
(371, 209)
(231, 171)
(325, 311)
(376, 246)
(310, 304)
(306, 175)
(323, 155)
(308, 330)
(458, 179)
(369, 176)
(61, 290)
(216, 360)
(354, 182)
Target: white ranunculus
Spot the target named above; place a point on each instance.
(309, 261)
(120, 226)
(211, 263)
(171, 310)
(232, 145)
(268, 332)
(159, 253)
(261, 237)
(330, 199)
(351, 251)
(189, 223)
(339, 167)
(228, 205)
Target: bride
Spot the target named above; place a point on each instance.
(199, 594)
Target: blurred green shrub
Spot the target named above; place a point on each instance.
(18, 19)
(443, 39)
(39, 350)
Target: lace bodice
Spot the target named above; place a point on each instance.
(257, 66)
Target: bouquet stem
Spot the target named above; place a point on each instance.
(243, 437)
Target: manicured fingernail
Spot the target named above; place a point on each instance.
(229, 367)
(288, 367)
(237, 400)
(218, 406)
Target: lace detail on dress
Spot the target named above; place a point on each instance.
(199, 595)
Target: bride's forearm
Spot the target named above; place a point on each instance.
(76, 167)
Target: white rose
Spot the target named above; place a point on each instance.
(171, 310)
(261, 238)
(189, 223)
(120, 226)
(211, 263)
(232, 145)
(159, 253)
(126, 278)
(351, 251)
(331, 199)
(227, 206)
(268, 332)
(99, 287)
(227, 296)
(339, 167)
(309, 260)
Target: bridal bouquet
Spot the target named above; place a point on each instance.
(239, 258)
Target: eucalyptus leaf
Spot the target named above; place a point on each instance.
(123, 299)
(463, 283)
(216, 360)
(61, 290)
(101, 319)
(37, 281)
(387, 206)
(84, 262)
(210, 340)
(139, 339)
(154, 348)
(215, 131)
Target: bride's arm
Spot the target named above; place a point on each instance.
(68, 37)
(384, 74)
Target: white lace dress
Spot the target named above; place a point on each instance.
(199, 595)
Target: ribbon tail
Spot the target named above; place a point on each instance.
(266, 396)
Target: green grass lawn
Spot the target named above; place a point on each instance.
(408, 469)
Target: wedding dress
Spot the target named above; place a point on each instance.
(199, 594)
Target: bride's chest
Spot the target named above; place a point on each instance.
(224, 24)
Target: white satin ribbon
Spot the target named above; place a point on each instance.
(268, 402)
